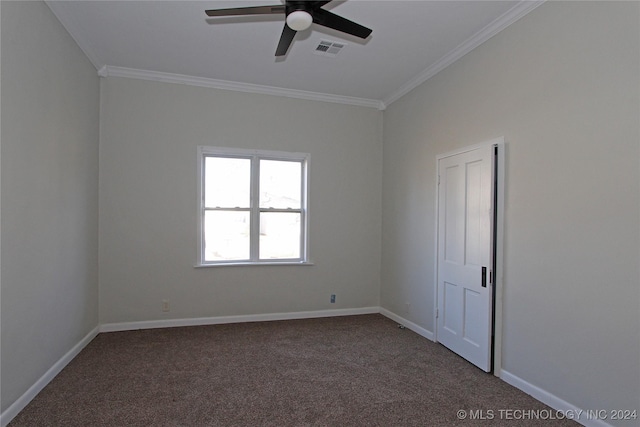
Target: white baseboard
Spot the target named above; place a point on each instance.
(17, 406)
(567, 409)
(200, 321)
(415, 328)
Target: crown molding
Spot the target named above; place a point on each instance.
(499, 24)
(77, 33)
(111, 71)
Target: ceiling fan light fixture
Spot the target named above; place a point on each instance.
(299, 20)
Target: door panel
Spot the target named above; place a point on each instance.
(450, 323)
(464, 248)
(473, 217)
(473, 306)
(452, 231)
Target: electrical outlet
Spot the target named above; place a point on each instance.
(333, 298)
(407, 308)
(165, 305)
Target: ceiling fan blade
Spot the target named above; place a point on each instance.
(331, 20)
(253, 10)
(285, 40)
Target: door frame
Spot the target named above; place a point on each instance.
(498, 245)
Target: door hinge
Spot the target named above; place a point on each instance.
(437, 313)
(438, 179)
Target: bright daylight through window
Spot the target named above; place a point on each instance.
(252, 206)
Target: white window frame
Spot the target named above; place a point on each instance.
(255, 156)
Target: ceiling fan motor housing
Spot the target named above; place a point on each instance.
(296, 5)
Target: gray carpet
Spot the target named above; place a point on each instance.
(341, 371)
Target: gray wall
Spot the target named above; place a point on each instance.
(148, 201)
(561, 85)
(50, 103)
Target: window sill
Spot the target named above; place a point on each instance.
(251, 264)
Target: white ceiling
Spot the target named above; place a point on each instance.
(176, 41)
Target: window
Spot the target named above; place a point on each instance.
(253, 206)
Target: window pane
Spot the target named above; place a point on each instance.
(279, 235)
(227, 182)
(280, 183)
(226, 235)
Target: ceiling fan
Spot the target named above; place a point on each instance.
(299, 16)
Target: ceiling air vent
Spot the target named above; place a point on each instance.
(327, 48)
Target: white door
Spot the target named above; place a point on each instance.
(465, 204)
